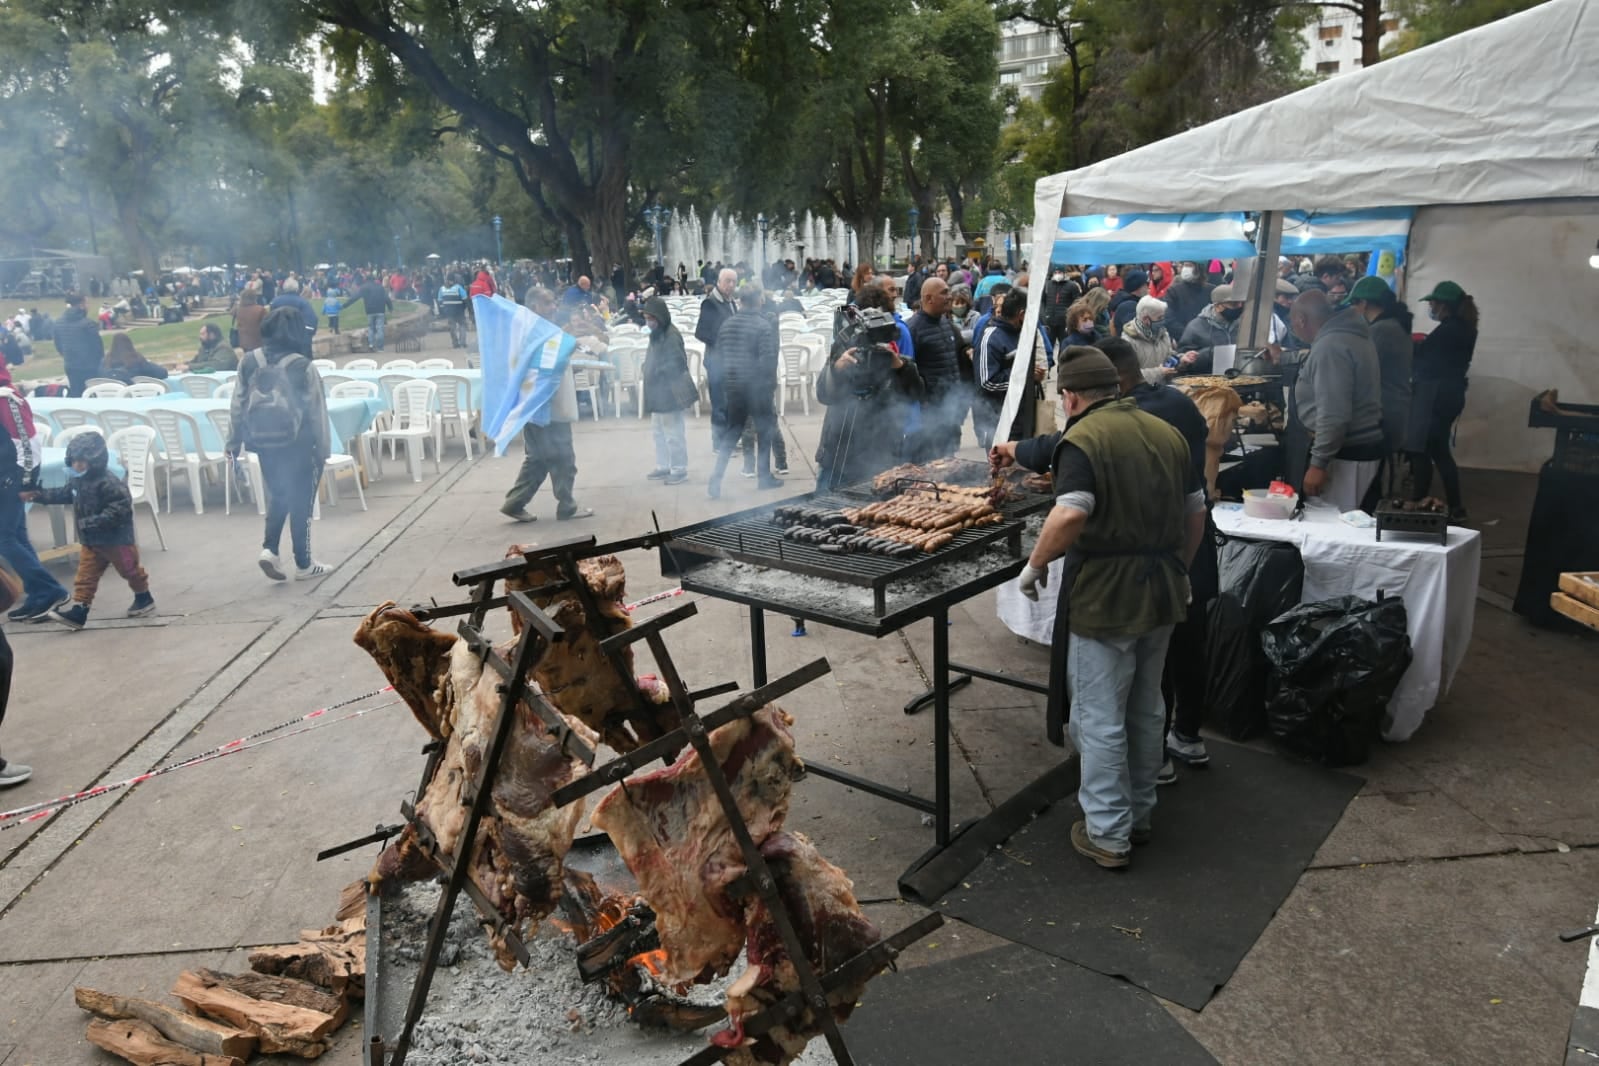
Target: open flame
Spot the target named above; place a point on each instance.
(652, 961)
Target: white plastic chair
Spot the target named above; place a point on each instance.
(455, 410)
(413, 424)
(324, 365)
(100, 381)
(361, 364)
(399, 364)
(135, 447)
(225, 390)
(72, 431)
(171, 424)
(67, 418)
(141, 379)
(106, 390)
(144, 389)
(792, 374)
(589, 381)
(629, 374)
(200, 386)
(696, 371)
(331, 381)
(223, 421)
(116, 421)
(41, 429)
(435, 364)
(337, 463)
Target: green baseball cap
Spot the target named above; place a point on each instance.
(1370, 288)
(1446, 292)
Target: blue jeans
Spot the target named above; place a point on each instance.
(671, 441)
(374, 326)
(1118, 727)
(40, 589)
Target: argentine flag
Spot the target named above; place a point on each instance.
(524, 357)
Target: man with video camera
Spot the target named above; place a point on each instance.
(868, 387)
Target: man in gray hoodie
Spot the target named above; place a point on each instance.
(1339, 399)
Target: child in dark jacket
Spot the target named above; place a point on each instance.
(104, 511)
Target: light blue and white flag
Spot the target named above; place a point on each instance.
(524, 357)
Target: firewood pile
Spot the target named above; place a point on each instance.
(291, 1002)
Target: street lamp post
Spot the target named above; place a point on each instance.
(762, 221)
(849, 243)
(657, 217)
(938, 227)
(915, 214)
(499, 253)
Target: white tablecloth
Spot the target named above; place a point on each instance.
(1438, 584)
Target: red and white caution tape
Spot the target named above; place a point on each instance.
(668, 594)
(315, 720)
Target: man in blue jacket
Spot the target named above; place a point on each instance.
(996, 351)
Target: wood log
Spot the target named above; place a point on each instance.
(352, 901)
(140, 1044)
(281, 1028)
(201, 1034)
(334, 957)
(287, 990)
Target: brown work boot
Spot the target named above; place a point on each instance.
(1110, 860)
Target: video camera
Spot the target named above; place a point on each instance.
(869, 332)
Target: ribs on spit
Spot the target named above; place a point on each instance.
(671, 831)
(522, 842)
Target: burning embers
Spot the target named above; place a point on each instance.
(618, 945)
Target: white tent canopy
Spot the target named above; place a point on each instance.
(1498, 127)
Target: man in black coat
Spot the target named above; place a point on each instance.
(1124, 308)
(715, 310)
(940, 357)
(77, 338)
(746, 347)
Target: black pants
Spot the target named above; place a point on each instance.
(747, 402)
(548, 453)
(985, 415)
(1439, 452)
(751, 437)
(292, 475)
(78, 380)
(714, 385)
(6, 663)
(1183, 683)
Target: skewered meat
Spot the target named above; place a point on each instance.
(669, 828)
(518, 852)
(830, 926)
(576, 675)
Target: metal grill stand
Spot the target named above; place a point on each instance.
(818, 994)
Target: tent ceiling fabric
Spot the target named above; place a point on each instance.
(1502, 112)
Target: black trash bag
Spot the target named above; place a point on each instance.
(1258, 581)
(1334, 666)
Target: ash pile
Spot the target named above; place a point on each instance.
(712, 877)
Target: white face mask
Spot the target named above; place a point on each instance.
(1189, 273)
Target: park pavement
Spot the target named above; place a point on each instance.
(1423, 931)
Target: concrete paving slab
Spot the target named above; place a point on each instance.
(61, 720)
(1393, 826)
(49, 1026)
(1371, 967)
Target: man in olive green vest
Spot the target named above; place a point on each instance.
(1128, 500)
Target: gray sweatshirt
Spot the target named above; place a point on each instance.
(1339, 390)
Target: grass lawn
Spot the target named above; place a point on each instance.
(167, 345)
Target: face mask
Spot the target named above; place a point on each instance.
(1060, 277)
(1156, 324)
(648, 328)
(73, 471)
(1231, 313)
(1189, 273)
(1432, 312)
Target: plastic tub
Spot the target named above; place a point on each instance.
(1259, 503)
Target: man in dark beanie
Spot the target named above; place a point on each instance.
(1124, 307)
(1129, 502)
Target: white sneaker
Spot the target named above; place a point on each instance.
(14, 774)
(312, 572)
(272, 566)
(1190, 752)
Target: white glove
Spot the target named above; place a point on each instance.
(1032, 579)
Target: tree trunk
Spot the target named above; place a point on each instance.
(1370, 32)
(139, 246)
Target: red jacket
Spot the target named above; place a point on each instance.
(482, 285)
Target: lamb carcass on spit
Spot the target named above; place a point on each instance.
(670, 830)
(579, 679)
(520, 846)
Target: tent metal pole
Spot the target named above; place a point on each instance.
(1256, 329)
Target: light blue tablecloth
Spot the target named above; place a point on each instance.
(346, 418)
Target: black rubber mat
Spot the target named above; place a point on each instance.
(1229, 845)
(1017, 1006)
